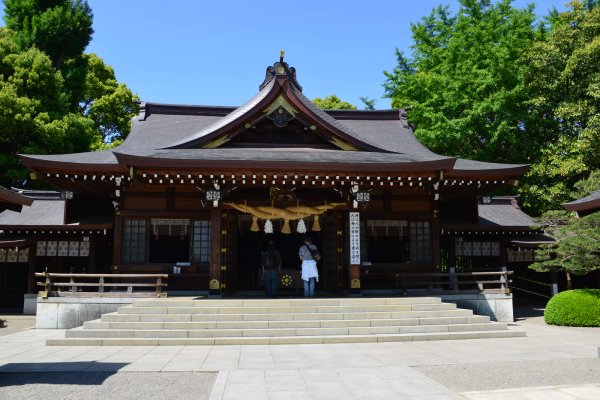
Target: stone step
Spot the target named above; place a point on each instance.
(189, 325)
(163, 317)
(285, 339)
(183, 321)
(284, 302)
(286, 310)
(277, 332)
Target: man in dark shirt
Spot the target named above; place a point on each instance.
(271, 267)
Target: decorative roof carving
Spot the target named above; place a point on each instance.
(280, 68)
(280, 117)
(281, 112)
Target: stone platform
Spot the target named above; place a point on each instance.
(188, 321)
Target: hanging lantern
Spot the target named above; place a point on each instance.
(301, 228)
(316, 226)
(254, 227)
(268, 226)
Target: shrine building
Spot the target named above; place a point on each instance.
(194, 192)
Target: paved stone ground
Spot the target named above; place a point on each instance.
(507, 375)
(550, 363)
(585, 392)
(16, 323)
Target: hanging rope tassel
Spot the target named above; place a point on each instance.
(316, 225)
(286, 227)
(301, 228)
(254, 227)
(268, 226)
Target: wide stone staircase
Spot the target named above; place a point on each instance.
(187, 321)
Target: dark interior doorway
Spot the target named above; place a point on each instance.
(249, 247)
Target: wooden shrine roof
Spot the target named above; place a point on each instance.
(587, 203)
(501, 213)
(12, 197)
(175, 135)
(48, 210)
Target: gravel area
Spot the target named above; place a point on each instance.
(107, 385)
(521, 374)
(16, 323)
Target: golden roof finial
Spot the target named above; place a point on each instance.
(281, 55)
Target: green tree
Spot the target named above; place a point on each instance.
(577, 247)
(462, 85)
(60, 28)
(563, 81)
(33, 111)
(96, 93)
(587, 186)
(368, 102)
(53, 97)
(333, 102)
(577, 240)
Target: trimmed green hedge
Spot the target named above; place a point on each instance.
(580, 307)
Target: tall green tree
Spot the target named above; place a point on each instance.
(60, 28)
(563, 81)
(96, 93)
(492, 84)
(462, 85)
(34, 115)
(54, 98)
(333, 102)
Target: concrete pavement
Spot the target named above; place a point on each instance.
(550, 363)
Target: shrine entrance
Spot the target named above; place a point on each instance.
(244, 246)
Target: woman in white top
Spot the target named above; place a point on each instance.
(310, 274)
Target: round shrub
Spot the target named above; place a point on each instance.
(580, 307)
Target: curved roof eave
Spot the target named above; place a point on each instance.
(12, 197)
(127, 160)
(471, 169)
(36, 162)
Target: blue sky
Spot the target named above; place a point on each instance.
(216, 52)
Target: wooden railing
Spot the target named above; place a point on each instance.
(101, 285)
(533, 287)
(446, 282)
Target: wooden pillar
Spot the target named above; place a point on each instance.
(354, 262)
(31, 286)
(92, 256)
(340, 252)
(436, 245)
(214, 271)
(118, 232)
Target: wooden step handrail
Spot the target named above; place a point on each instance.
(448, 282)
(74, 285)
